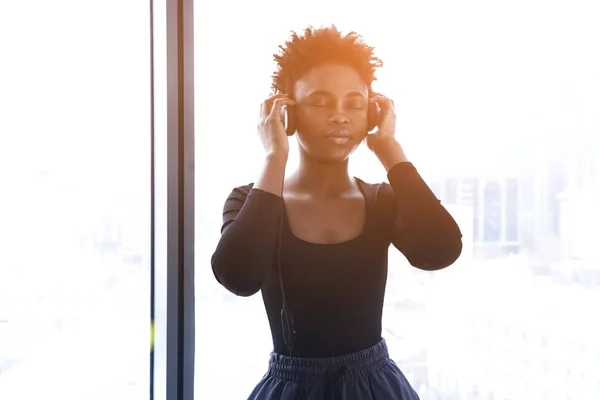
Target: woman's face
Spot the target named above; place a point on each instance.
(331, 112)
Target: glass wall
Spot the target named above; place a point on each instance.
(75, 200)
(499, 108)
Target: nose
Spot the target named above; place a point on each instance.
(339, 117)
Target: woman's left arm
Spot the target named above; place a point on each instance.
(421, 228)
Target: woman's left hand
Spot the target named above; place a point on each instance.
(386, 129)
(383, 141)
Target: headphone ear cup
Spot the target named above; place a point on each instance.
(372, 116)
(288, 116)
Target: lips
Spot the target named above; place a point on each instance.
(339, 137)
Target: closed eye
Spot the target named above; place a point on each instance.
(357, 105)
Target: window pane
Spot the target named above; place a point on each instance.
(499, 108)
(75, 204)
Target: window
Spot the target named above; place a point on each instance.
(492, 200)
(512, 210)
(472, 188)
(478, 103)
(75, 204)
(451, 191)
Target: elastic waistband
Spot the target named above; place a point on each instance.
(343, 367)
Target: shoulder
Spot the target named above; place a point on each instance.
(376, 192)
(234, 202)
(237, 196)
(380, 204)
(240, 194)
(380, 198)
(241, 191)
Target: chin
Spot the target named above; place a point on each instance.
(330, 155)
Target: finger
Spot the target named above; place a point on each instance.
(267, 104)
(277, 104)
(377, 97)
(385, 103)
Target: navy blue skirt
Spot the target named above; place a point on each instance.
(365, 375)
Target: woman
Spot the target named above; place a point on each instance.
(316, 243)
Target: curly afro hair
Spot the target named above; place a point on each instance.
(318, 46)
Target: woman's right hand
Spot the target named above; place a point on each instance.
(270, 126)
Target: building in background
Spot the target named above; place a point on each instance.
(498, 209)
(547, 208)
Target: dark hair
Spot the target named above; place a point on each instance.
(319, 46)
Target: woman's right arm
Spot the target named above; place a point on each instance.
(250, 228)
(249, 233)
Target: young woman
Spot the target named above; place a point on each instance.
(316, 243)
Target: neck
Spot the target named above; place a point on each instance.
(322, 179)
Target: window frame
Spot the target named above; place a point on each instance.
(172, 220)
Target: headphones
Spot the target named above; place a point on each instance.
(288, 116)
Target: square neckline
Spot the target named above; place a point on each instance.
(362, 233)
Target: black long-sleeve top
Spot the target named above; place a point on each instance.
(334, 291)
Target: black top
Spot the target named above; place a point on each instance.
(334, 291)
